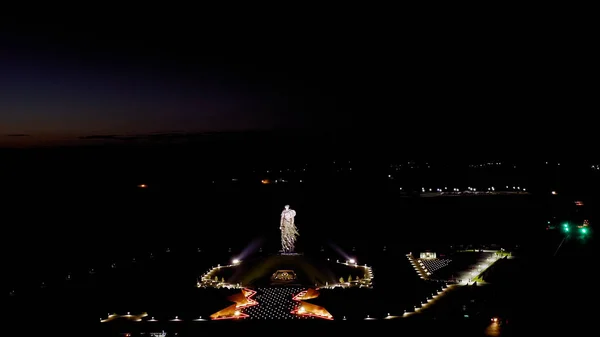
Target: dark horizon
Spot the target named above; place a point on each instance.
(301, 144)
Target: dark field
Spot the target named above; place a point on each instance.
(57, 237)
(93, 226)
(531, 289)
(164, 286)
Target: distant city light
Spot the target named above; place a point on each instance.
(142, 186)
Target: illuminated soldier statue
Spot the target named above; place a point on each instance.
(288, 230)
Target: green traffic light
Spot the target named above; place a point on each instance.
(566, 224)
(584, 231)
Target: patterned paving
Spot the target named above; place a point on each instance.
(275, 303)
(430, 266)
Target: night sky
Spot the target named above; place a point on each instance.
(66, 79)
(61, 81)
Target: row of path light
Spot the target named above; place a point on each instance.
(424, 273)
(366, 280)
(151, 256)
(278, 299)
(209, 278)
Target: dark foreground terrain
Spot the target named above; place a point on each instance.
(83, 242)
(524, 292)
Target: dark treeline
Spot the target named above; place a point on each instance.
(321, 155)
(200, 187)
(71, 209)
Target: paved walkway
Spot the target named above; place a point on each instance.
(274, 303)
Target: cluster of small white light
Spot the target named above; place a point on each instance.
(408, 165)
(469, 189)
(445, 189)
(342, 166)
(489, 164)
(158, 334)
(274, 303)
(431, 265)
(287, 170)
(207, 279)
(365, 282)
(425, 268)
(516, 188)
(596, 167)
